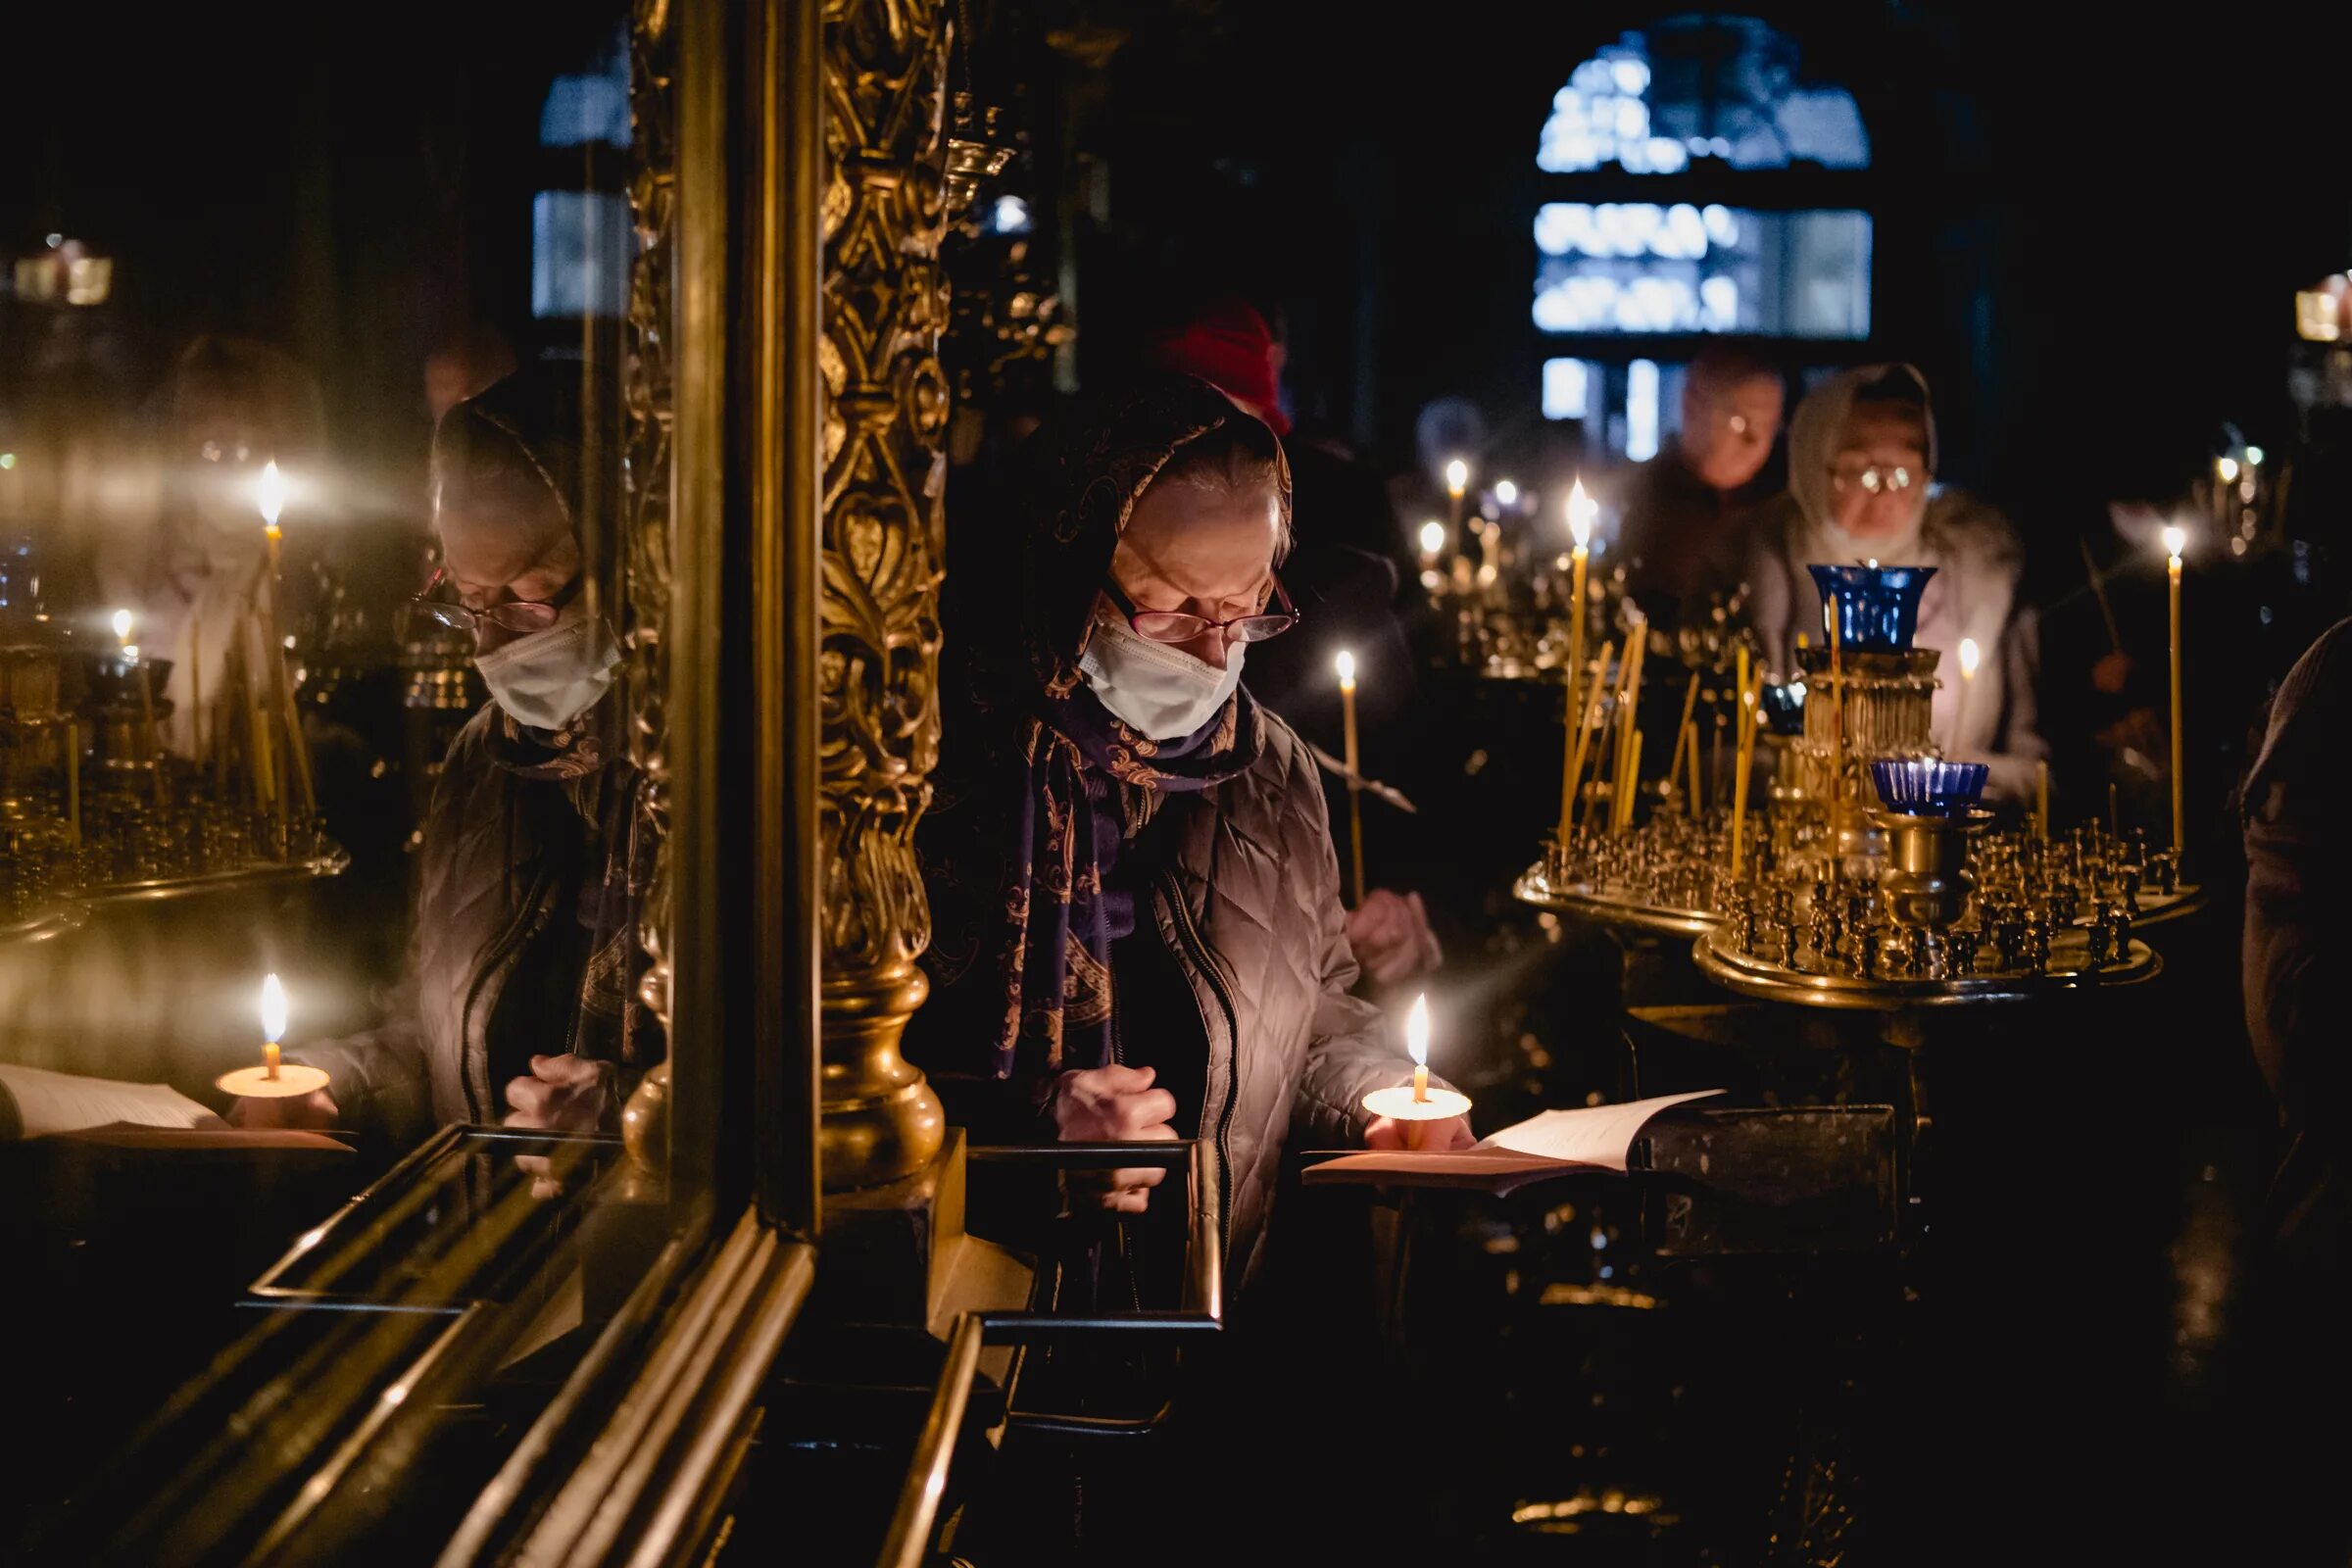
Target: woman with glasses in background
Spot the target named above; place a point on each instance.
(521, 998)
(1861, 488)
(1139, 930)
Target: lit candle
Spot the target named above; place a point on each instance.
(131, 655)
(1580, 528)
(270, 497)
(1970, 655)
(1416, 1043)
(1419, 1107)
(1346, 664)
(1740, 725)
(1836, 745)
(1433, 544)
(273, 1023)
(273, 1080)
(1506, 494)
(2175, 539)
(1584, 728)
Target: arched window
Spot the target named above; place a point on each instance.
(1697, 185)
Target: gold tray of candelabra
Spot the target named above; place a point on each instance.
(54, 921)
(1609, 905)
(1816, 982)
(330, 859)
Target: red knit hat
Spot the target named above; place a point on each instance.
(1228, 345)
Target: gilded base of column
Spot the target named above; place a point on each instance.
(879, 1121)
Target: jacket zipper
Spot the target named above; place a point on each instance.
(1197, 948)
(526, 920)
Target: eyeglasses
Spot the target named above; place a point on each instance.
(515, 615)
(1878, 479)
(1175, 626)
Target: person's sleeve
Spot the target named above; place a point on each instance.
(378, 1080)
(2020, 746)
(1347, 1057)
(2297, 852)
(1768, 604)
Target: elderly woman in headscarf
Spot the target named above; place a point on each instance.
(1862, 487)
(520, 1002)
(1139, 924)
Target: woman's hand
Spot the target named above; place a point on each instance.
(312, 1112)
(1391, 935)
(1447, 1137)
(1115, 1104)
(563, 1093)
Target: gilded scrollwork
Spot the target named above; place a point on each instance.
(885, 307)
(647, 515)
(885, 418)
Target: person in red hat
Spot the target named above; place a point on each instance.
(1344, 574)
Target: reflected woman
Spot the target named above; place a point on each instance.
(521, 998)
(1139, 933)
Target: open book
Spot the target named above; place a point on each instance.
(35, 1103)
(1552, 1143)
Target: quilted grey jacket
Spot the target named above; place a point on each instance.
(1250, 908)
(490, 869)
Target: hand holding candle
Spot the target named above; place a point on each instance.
(273, 1079)
(1418, 1117)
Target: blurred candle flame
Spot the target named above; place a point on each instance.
(1416, 1031)
(1345, 666)
(2175, 539)
(1580, 508)
(1970, 658)
(269, 494)
(1433, 537)
(121, 624)
(274, 1009)
(1457, 476)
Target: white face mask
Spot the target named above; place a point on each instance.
(1158, 689)
(548, 678)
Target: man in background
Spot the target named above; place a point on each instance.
(1682, 533)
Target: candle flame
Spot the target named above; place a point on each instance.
(1457, 476)
(1970, 657)
(1345, 666)
(269, 494)
(1416, 1031)
(1506, 493)
(2227, 467)
(2175, 539)
(1433, 537)
(274, 1009)
(121, 625)
(1580, 514)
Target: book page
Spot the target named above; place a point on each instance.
(1591, 1134)
(63, 1102)
(1554, 1143)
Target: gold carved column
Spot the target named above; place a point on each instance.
(886, 406)
(650, 410)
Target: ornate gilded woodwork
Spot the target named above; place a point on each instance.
(647, 515)
(883, 446)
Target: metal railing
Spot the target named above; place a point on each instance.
(926, 1487)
